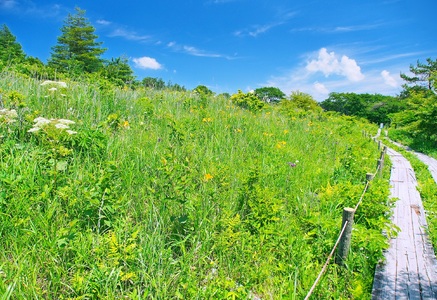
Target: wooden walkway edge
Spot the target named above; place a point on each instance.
(410, 267)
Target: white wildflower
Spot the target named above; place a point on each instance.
(70, 132)
(61, 126)
(12, 113)
(66, 122)
(8, 114)
(34, 129)
(40, 122)
(58, 83)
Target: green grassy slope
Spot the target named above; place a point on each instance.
(165, 194)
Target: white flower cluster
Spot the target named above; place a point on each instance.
(60, 124)
(8, 115)
(58, 83)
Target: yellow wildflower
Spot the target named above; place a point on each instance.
(207, 177)
(280, 144)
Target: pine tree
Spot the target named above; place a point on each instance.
(118, 71)
(10, 50)
(77, 51)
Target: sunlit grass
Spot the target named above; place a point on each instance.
(172, 195)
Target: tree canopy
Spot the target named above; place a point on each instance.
(424, 76)
(374, 107)
(77, 50)
(118, 71)
(269, 94)
(10, 50)
(419, 119)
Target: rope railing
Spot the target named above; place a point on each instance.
(347, 223)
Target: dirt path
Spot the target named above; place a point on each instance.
(410, 267)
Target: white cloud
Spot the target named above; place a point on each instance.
(103, 22)
(195, 51)
(129, 35)
(8, 4)
(329, 63)
(388, 79)
(314, 78)
(147, 63)
(320, 88)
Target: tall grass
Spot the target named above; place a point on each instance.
(166, 194)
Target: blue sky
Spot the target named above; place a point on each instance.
(316, 47)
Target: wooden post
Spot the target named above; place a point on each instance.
(345, 240)
(380, 165)
(369, 176)
(379, 145)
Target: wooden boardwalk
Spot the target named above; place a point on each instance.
(410, 267)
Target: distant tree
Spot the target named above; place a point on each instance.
(153, 83)
(225, 95)
(176, 87)
(269, 94)
(10, 50)
(424, 76)
(376, 108)
(203, 90)
(304, 101)
(350, 104)
(419, 119)
(77, 50)
(248, 101)
(118, 71)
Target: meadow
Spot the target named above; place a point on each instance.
(109, 193)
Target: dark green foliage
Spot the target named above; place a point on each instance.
(424, 76)
(374, 107)
(154, 83)
(417, 123)
(118, 71)
(269, 94)
(10, 50)
(159, 84)
(77, 51)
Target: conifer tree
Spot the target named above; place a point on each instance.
(10, 50)
(77, 50)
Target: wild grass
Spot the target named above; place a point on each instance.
(166, 194)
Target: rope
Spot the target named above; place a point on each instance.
(327, 262)
(339, 238)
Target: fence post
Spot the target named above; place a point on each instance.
(345, 240)
(369, 177)
(380, 165)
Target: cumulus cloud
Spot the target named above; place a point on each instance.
(329, 63)
(320, 88)
(388, 79)
(147, 63)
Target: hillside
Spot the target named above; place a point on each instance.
(164, 194)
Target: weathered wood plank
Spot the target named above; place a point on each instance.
(410, 267)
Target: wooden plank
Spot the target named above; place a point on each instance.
(410, 267)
